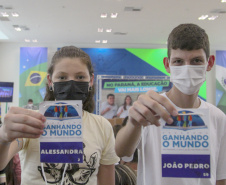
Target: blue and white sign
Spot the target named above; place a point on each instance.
(61, 141)
(186, 145)
(137, 89)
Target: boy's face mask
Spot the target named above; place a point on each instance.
(71, 90)
(188, 78)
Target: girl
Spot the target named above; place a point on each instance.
(70, 69)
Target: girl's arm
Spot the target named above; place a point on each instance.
(106, 175)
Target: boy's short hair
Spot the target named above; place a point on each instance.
(110, 95)
(188, 37)
(30, 100)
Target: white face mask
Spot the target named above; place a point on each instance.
(188, 78)
(30, 105)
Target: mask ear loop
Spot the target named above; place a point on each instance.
(43, 173)
(62, 181)
(143, 159)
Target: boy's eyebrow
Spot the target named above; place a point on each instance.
(198, 57)
(176, 58)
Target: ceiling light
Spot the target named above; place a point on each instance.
(114, 15)
(103, 15)
(14, 14)
(100, 30)
(108, 30)
(4, 14)
(97, 41)
(223, 1)
(212, 17)
(34, 40)
(203, 17)
(26, 40)
(17, 28)
(104, 41)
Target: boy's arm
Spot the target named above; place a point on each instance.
(127, 139)
(145, 111)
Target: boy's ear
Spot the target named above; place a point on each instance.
(210, 62)
(166, 64)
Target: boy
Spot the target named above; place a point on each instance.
(168, 154)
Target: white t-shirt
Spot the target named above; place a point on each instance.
(98, 143)
(125, 112)
(111, 113)
(152, 153)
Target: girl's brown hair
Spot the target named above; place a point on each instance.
(72, 52)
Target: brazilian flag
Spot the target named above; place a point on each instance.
(33, 71)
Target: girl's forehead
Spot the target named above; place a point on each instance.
(70, 63)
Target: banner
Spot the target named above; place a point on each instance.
(221, 80)
(121, 86)
(33, 71)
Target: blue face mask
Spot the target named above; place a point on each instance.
(71, 90)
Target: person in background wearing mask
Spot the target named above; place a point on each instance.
(30, 105)
(109, 108)
(70, 77)
(188, 60)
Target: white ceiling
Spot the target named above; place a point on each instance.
(77, 21)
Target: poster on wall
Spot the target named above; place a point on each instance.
(122, 86)
(33, 71)
(221, 80)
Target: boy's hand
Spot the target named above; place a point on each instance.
(21, 123)
(149, 108)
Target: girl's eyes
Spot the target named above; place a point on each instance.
(80, 77)
(76, 78)
(62, 78)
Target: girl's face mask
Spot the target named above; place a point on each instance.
(71, 90)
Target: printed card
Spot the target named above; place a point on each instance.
(185, 145)
(61, 141)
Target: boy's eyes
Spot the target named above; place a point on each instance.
(195, 61)
(177, 62)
